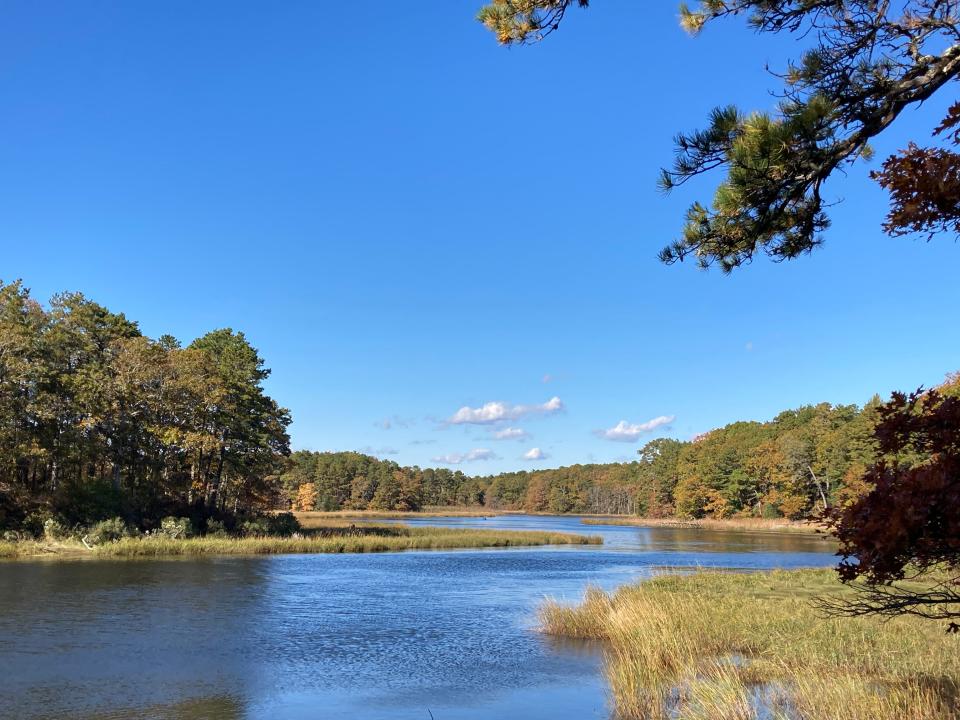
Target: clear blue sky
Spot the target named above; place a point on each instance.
(407, 219)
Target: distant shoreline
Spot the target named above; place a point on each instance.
(778, 525)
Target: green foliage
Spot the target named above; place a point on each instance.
(524, 21)
(108, 531)
(176, 528)
(98, 421)
(283, 524)
(53, 529)
(792, 466)
(216, 529)
(868, 63)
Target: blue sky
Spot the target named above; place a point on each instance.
(408, 220)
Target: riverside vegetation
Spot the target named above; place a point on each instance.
(102, 427)
(273, 534)
(731, 646)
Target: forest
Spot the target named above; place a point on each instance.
(799, 464)
(98, 421)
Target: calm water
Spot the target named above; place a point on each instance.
(392, 636)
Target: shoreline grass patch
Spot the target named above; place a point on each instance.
(743, 646)
(337, 539)
(731, 524)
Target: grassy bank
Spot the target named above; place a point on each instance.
(331, 540)
(726, 646)
(739, 524)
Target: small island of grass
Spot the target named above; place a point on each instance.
(331, 537)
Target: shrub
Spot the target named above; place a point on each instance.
(283, 524)
(770, 512)
(32, 525)
(176, 528)
(108, 531)
(53, 529)
(216, 528)
(255, 526)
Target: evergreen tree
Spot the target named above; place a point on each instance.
(869, 62)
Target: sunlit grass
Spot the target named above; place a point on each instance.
(747, 524)
(336, 539)
(703, 645)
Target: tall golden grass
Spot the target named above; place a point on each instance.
(730, 646)
(396, 538)
(745, 524)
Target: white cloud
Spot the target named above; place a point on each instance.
(493, 412)
(749, 346)
(629, 432)
(511, 433)
(548, 378)
(471, 456)
(535, 454)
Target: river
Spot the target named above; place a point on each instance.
(402, 636)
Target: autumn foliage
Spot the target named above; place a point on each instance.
(924, 185)
(908, 525)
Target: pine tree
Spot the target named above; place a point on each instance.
(870, 61)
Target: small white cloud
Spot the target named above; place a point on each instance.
(629, 432)
(535, 454)
(474, 455)
(548, 378)
(494, 412)
(511, 433)
(749, 346)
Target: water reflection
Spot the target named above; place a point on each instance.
(322, 636)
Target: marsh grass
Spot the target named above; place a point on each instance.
(739, 524)
(740, 646)
(334, 539)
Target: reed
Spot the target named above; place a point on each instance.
(742, 646)
(740, 524)
(338, 539)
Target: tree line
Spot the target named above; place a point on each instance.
(800, 464)
(99, 421)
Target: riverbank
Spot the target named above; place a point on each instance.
(369, 539)
(318, 517)
(738, 524)
(738, 646)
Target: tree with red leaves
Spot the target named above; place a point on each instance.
(901, 540)
(924, 185)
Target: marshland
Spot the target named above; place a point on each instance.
(297, 635)
(354, 367)
(737, 646)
